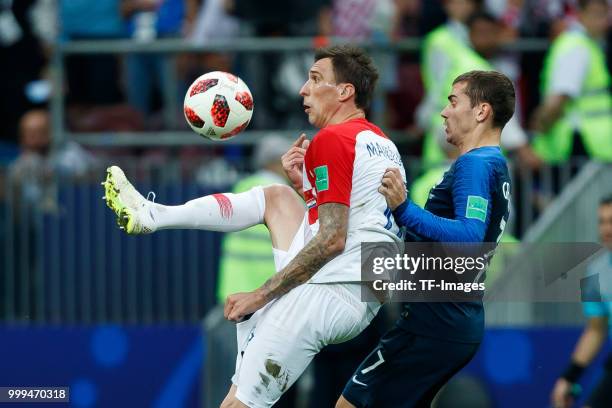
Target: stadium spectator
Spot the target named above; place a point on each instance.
(531, 18)
(149, 75)
(31, 172)
(23, 56)
(373, 20)
(575, 115)
(594, 336)
(404, 99)
(486, 36)
(462, 44)
(359, 19)
(273, 18)
(537, 19)
(32, 191)
(275, 78)
(94, 95)
(507, 11)
(93, 80)
(212, 22)
(34, 171)
(441, 57)
(432, 16)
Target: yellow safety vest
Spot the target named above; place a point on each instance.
(590, 113)
(463, 59)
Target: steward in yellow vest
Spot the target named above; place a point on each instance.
(446, 55)
(448, 52)
(576, 91)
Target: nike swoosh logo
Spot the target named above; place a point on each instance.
(356, 381)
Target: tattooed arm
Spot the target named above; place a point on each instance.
(322, 248)
(326, 245)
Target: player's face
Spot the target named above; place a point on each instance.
(595, 18)
(459, 115)
(34, 129)
(320, 93)
(460, 10)
(605, 225)
(484, 36)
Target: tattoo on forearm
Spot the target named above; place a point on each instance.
(333, 225)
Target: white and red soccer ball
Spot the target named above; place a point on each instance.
(218, 105)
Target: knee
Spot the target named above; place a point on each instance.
(277, 193)
(283, 201)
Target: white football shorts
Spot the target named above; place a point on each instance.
(279, 341)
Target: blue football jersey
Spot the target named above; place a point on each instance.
(469, 204)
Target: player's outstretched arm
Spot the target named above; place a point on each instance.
(471, 182)
(327, 244)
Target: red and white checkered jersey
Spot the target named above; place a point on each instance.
(345, 164)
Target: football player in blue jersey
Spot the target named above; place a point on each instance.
(432, 341)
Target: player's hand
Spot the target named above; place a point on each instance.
(561, 396)
(293, 161)
(393, 188)
(239, 305)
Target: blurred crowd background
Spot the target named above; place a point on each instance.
(128, 91)
(133, 91)
(90, 83)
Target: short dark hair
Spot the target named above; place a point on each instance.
(493, 88)
(582, 4)
(352, 65)
(607, 200)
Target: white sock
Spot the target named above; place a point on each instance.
(225, 212)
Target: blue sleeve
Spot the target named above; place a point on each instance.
(471, 200)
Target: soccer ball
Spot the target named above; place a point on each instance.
(218, 105)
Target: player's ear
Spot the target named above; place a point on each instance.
(345, 91)
(483, 112)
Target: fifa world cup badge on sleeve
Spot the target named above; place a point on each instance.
(322, 178)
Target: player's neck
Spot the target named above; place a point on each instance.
(480, 138)
(344, 116)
